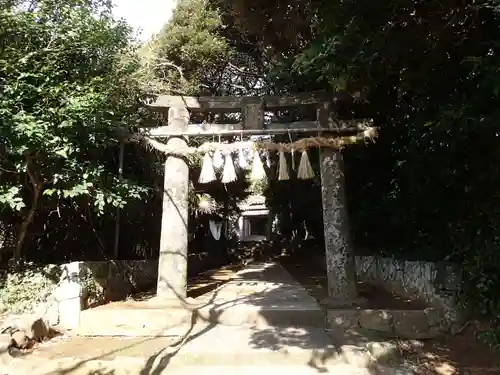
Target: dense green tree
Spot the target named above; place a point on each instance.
(192, 55)
(427, 72)
(68, 76)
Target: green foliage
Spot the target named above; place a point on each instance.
(23, 289)
(93, 291)
(427, 72)
(187, 55)
(69, 78)
(192, 55)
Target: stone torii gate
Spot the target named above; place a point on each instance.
(172, 268)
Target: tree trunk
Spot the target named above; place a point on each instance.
(339, 254)
(23, 230)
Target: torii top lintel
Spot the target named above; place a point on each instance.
(228, 103)
(253, 108)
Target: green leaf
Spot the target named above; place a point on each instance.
(62, 152)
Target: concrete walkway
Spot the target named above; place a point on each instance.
(260, 295)
(261, 321)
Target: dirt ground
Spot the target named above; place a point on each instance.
(100, 347)
(458, 354)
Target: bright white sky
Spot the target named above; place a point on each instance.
(146, 15)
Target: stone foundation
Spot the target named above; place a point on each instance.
(404, 324)
(435, 283)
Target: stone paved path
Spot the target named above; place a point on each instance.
(261, 321)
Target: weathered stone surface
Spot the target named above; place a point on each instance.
(39, 330)
(435, 317)
(407, 324)
(20, 340)
(339, 254)
(377, 320)
(269, 349)
(343, 318)
(172, 268)
(410, 324)
(128, 366)
(436, 283)
(263, 294)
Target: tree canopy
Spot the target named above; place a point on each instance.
(427, 72)
(192, 55)
(68, 77)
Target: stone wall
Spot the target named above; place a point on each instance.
(84, 283)
(118, 279)
(436, 283)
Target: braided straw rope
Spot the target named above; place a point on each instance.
(370, 134)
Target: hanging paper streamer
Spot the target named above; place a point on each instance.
(217, 159)
(305, 171)
(258, 172)
(282, 167)
(229, 174)
(242, 160)
(215, 229)
(207, 170)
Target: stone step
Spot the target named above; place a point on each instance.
(223, 349)
(260, 295)
(217, 347)
(127, 366)
(228, 346)
(416, 324)
(157, 321)
(340, 369)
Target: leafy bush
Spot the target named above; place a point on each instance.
(22, 290)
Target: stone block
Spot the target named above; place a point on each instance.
(342, 318)
(410, 324)
(435, 318)
(49, 311)
(35, 327)
(436, 283)
(68, 296)
(20, 340)
(376, 320)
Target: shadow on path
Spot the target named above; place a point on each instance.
(275, 295)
